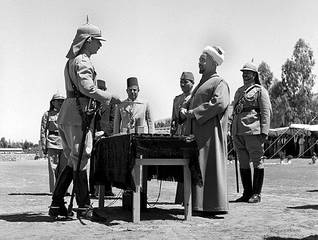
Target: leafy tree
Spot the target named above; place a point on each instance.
(265, 75)
(280, 104)
(3, 142)
(298, 80)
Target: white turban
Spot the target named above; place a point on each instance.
(216, 53)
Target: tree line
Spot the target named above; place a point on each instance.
(292, 97)
(25, 145)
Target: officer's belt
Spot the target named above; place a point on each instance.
(54, 133)
(248, 109)
(71, 94)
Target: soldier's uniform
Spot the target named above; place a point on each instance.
(177, 124)
(132, 116)
(80, 88)
(51, 142)
(250, 126)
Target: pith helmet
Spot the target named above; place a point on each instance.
(251, 67)
(57, 96)
(82, 34)
(90, 30)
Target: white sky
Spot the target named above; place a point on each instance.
(153, 40)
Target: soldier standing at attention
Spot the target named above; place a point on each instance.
(250, 127)
(51, 142)
(186, 84)
(177, 124)
(81, 88)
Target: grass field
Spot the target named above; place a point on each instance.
(289, 208)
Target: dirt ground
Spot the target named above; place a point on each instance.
(289, 208)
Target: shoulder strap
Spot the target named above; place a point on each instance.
(243, 95)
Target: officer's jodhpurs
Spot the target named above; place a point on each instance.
(71, 139)
(249, 148)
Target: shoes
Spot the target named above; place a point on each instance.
(244, 198)
(90, 214)
(256, 198)
(58, 210)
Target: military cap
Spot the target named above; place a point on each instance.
(187, 76)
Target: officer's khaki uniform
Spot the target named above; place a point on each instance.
(82, 73)
(178, 101)
(252, 110)
(52, 145)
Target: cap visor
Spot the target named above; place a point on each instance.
(100, 38)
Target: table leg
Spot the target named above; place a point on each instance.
(101, 195)
(187, 192)
(136, 194)
(144, 187)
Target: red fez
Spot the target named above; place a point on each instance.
(132, 81)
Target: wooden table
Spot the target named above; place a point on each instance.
(138, 177)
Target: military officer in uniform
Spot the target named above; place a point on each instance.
(133, 114)
(81, 88)
(177, 123)
(250, 127)
(186, 84)
(51, 142)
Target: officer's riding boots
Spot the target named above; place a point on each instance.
(246, 177)
(257, 185)
(81, 189)
(85, 210)
(57, 207)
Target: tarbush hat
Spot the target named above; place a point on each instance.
(101, 84)
(216, 53)
(132, 81)
(252, 68)
(83, 33)
(187, 76)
